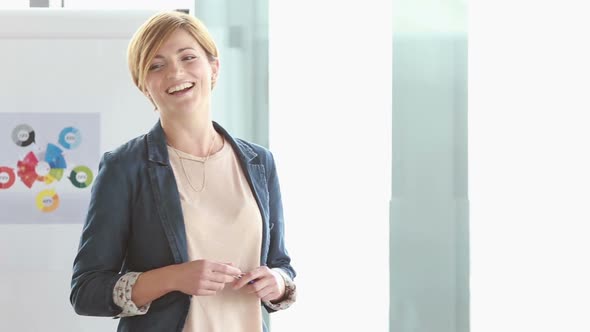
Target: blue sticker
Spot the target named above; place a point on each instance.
(70, 138)
(54, 157)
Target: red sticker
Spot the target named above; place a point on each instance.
(7, 177)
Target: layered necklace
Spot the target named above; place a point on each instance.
(203, 162)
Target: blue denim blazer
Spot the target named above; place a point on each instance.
(135, 223)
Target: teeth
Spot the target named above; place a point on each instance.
(180, 87)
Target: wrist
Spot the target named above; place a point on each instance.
(170, 278)
(282, 285)
(289, 296)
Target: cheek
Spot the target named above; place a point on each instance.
(153, 89)
(201, 70)
(152, 83)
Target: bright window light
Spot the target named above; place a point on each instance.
(330, 132)
(529, 166)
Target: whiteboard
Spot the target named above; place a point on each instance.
(62, 61)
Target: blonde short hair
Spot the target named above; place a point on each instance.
(150, 36)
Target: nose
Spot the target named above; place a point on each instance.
(175, 69)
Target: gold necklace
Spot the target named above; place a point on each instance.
(202, 162)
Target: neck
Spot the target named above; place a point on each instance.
(193, 135)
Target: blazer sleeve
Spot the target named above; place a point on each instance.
(103, 241)
(278, 254)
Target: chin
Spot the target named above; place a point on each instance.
(189, 107)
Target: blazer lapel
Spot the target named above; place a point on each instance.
(167, 202)
(165, 193)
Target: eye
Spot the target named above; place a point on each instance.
(155, 66)
(189, 57)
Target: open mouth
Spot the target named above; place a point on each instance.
(181, 88)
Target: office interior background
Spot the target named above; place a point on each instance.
(404, 211)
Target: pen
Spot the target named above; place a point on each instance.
(238, 277)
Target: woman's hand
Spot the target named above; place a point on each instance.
(204, 277)
(267, 284)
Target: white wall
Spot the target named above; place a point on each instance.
(129, 4)
(330, 116)
(61, 61)
(529, 165)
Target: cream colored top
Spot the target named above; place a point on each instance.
(223, 224)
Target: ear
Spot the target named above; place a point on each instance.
(214, 69)
(147, 94)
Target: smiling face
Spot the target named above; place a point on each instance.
(180, 74)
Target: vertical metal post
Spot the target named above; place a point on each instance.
(429, 228)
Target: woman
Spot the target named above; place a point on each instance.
(185, 226)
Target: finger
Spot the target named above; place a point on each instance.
(270, 296)
(227, 279)
(245, 281)
(204, 292)
(265, 292)
(237, 276)
(249, 289)
(225, 269)
(248, 278)
(218, 277)
(211, 285)
(260, 285)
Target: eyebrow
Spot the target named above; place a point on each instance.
(180, 50)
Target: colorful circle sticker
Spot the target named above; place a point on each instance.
(42, 168)
(81, 176)
(70, 138)
(26, 169)
(47, 200)
(7, 177)
(51, 164)
(23, 135)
